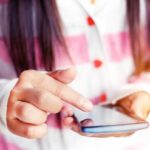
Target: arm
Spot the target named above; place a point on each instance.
(5, 87)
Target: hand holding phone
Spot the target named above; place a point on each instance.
(108, 121)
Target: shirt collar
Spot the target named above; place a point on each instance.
(93, 8)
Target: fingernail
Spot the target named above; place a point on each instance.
(87, 106)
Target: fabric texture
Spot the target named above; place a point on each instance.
(98, 43)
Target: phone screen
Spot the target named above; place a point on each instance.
(108, 120)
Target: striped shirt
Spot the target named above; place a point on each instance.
(98, 43)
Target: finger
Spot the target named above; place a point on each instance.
(27, 130)
(59, 89)
(75, 127)
(141, 106)
(136, 104)
(65, 76)
(69, 95)
(47, 101)
(28, 113)
(68, 121)
(40, 98)
(87, 122)
(66, 112)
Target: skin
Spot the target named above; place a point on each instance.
(39, 94)
(36, 95)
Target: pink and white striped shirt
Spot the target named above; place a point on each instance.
(98, 43)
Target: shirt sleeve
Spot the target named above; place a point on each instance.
(5, 87)
(135, 84)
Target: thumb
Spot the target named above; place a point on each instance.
(137, 104)
(65, 76)
(141, 106)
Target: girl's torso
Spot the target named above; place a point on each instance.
(98, 43)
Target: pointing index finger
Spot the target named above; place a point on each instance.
(66, 93)
(61, 90)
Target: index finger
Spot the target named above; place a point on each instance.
(66, 93)
(70, 96)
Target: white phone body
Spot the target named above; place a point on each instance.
(108, 120)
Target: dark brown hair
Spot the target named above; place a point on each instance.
(139, 35)
(25, 18)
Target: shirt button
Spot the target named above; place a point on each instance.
(103, 98)
(90, 21)
(97, 63)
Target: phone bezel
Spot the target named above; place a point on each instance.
(139, 124)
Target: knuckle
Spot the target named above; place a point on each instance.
(45, 80)
(27, 74)
(24, 111)
(14, 92)
(60, 90)
(41, 96)
(24, 74)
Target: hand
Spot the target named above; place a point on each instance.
(69, 121)
(35, 95)
(137, 104)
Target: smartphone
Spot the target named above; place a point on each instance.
(108, 120)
